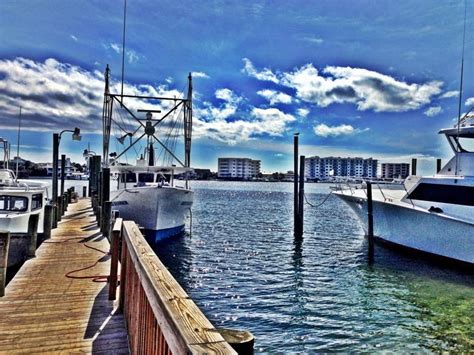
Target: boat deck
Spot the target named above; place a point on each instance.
(43, 310)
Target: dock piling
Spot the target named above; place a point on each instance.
(47, 221)
(4, 246)
(242, 341)
(301, 198)
(295, 185)
(32, 234)
(84, 191)
(63, 172)
(104, 198)
(370, 221)
(59, 209)
(114, 252)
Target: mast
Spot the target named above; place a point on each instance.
(188, 123)
(106, 117)
(18, 145)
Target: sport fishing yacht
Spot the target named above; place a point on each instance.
(432, 214)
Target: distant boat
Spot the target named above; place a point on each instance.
(432, 214)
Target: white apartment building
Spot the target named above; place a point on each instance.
(317, 168)
(395, 170)
(237, 168)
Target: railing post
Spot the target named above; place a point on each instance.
(123, 270)
(4, 246)
(115, 243)
(32, 234)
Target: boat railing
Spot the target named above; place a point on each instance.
(160, 316)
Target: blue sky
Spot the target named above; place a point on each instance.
(355, 78)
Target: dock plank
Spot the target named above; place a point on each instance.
(45, 311)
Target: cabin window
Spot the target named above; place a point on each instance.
(13, 203)
(146, 177)
(128, 177)
(459, 195)
(36, 201)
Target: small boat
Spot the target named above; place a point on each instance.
(18, 201)
(432, 214)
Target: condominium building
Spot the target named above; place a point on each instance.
(317, 168)
(395, 170)
(237, 168)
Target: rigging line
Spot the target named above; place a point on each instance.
(460, 89)
(318, 205)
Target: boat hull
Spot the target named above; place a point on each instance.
(415, 228)
(161, 211)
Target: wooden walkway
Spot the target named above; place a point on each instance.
(45, 311)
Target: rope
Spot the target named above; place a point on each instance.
(95, 278)
(319, 205)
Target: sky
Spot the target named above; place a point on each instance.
(354, 78)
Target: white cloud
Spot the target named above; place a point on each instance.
(368, 90)
(56, 95)
(265, 75)
(323, 130)
(448, 94)
(275, 97)
(74, 38)
(469, 101)
(364, 88)
(302, 112)
(131, 55)
(433, 111)
(200, 74)
(316, 40)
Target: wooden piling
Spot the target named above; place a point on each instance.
(301, 198)
(438, 165)
(413, 166)
(295, 185)
(32, 234)
(64, 203)
(47, 221)
(54, 220)
(114, 252)
(84, 191)
(4, 246)
(63, 172)
(105, 191)
(106, 219)
(59, 209)
(242, 341)
(370, 221)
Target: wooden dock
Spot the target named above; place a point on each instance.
(44, 310)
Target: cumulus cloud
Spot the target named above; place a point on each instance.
(368, 90)
(200, 74)
(56, 95)
(264, 75)
(449, 94)
(312, 39)
(323, 130)
(433, 111)
(275, 97)
(469, 101)
(302, 112)
(74, 38)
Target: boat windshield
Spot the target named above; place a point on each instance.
(462, 144)
(13, 203)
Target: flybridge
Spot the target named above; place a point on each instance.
(146, 128)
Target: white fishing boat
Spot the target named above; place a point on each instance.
(18, 202)
(148, 193)
(432, 214)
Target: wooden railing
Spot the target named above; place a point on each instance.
(160, 317)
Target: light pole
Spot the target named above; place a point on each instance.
(76, 136)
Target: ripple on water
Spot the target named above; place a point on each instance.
(243, 268)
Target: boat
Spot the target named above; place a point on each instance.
(430, 214)
(19, 200)
(150, 193)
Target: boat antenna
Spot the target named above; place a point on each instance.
(123, 44)
(18, 145)
(460, 90)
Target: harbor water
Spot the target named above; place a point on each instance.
(243, 268)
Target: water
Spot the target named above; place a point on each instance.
(244, 270)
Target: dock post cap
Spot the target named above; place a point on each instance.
(241, 341)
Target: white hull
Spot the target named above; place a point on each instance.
(153, 208)
(402, 223)
(17, 223)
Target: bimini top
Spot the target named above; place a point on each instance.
(150, 169)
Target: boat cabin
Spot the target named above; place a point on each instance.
(19, 197)
(133, 176)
